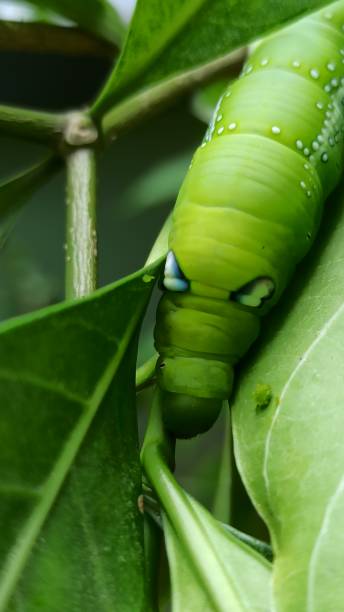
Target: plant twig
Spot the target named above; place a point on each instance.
(145, 373)
(146, 101)
(81, 245)
(155, 459)
(30, 124)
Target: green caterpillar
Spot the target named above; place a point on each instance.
(248, 211)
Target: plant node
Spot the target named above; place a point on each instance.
(79, 130)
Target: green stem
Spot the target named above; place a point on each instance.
(81, 255)
(156, 455)
(136, 107)
(33, 125)
(152, 545)
(145, 373)
(262, 548)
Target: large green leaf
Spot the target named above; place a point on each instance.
(69, 475)
(248, 573)
(173, 36)
(96, 16)
(290, 448)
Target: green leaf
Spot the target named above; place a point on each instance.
(290, 450)
(96, 16)
(174, 36)
(247, 572)
(69, 475)
(14, 192)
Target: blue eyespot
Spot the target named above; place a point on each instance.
(174, 279)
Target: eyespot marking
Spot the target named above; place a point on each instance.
(254, 293)
(174, 279)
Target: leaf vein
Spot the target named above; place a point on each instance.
(322, 333)
(19, 377)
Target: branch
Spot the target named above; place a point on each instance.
(145, 102)
(81, 252)
(33, 125)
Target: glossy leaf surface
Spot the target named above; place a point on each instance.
(69, 475)
(174, 36)
(290, 452)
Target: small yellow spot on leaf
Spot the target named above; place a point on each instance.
(147, 278)
(262, 396)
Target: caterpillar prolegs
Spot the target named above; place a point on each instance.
(248, 211)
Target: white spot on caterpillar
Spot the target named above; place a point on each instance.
(303, 184)
(229, 93)
(296, 64)
(220, 130)
(306, 152)
(264, 61)
(312, 159)
(275, 129)
(331, 141)
(202, 146)
(331, 66)
(334, 82)
(328, 114)
(219, 117)
(315, 145)
(308, 193)
(327, 88)
(232, 126)
(299, 144)
(306, 166)
(314, 73)
(319, 105)
(324, 158)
